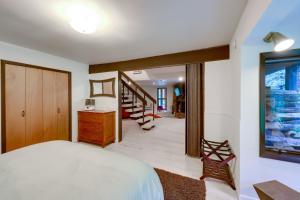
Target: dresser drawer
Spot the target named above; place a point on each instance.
(91, 130)
(90, 117)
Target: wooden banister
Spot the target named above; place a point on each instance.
(137, 86)
(134, 92)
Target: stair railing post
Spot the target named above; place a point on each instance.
(144, 105)
(127, 91)
(123, 88)
(136, 96)
(153, 109)
(132, 102)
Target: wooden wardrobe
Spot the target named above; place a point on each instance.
(36, 105)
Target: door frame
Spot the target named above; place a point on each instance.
(181, 58)
(3, 103)
(202, 96)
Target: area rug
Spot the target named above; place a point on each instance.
(178, 187)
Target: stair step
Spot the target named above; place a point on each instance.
(134, 110)
(148, 126)
(126, 96)
(146, 119)
(129, 105)
(138, 115)
(127, 101)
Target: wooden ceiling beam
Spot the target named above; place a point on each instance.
(188, 57)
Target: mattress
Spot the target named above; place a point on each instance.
(63, 170)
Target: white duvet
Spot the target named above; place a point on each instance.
(62, 170)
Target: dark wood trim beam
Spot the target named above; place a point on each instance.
(183, 58)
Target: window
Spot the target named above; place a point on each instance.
(161, 99)
(280, 106)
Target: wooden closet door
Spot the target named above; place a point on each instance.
(34, 106)
(14, 107)
(62, 99)
(49, 106)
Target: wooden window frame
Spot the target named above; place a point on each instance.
(263, 151)
(166, 99)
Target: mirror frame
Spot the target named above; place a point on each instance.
(92, 94)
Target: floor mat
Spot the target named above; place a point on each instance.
(178, 187)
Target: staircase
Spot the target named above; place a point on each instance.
(137, 102)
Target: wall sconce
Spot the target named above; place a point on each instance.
(280, 41)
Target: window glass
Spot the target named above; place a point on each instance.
(161, 99)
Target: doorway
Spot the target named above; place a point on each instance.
(186, 101)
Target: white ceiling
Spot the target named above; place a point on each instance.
(132, 28)
(158, 76)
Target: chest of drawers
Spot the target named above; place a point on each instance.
(96, 127)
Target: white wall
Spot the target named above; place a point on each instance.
(245, 61)
(253, 168)
(253, 12)
(218, 100)
(79, 73)
(170, 92)
(108, 103)
(218, 112)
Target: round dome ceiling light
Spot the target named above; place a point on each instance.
(280, 41)
(82, 19)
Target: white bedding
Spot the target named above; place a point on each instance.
(63, 170)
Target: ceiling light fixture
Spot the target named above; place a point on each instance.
(180, 78)
(82, 19)
(280, 41)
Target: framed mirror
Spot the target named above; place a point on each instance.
(99, 88)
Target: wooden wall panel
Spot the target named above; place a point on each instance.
(15, 107)
(34, 106)
(62, 95)
(49, 105)
(195, 108)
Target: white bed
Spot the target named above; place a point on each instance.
(61, 170)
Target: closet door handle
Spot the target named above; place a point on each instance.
(58, 110)
(23, 113)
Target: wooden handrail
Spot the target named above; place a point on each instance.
(138, 86)
(135, 93)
